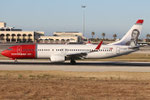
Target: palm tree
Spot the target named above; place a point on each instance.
(93, 33)
(147, 37)
(103, 35)
(115, 35)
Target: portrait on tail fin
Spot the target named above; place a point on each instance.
(131, 37)
(134, 37)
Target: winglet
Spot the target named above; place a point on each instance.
(99, 45)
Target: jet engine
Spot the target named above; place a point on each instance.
(57, 58)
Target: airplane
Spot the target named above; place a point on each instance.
(62, 52)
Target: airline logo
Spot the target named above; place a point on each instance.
(22, 54)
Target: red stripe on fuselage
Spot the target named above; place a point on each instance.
(21, 52)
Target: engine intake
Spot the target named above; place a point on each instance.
(57, 58)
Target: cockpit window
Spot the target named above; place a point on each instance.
(9, 49)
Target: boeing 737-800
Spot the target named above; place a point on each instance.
(72, 52)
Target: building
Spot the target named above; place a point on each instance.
(10, 34)
(68, 34)
(63, 37)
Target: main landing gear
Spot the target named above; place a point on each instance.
(72, 61)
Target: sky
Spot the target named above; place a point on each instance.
(108, 16)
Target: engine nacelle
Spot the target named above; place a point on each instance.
(57, 58)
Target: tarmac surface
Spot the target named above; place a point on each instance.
(81, 66)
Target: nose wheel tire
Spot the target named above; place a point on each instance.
(15, 61)
(73, 62)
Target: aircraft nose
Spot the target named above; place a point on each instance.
(3, 53)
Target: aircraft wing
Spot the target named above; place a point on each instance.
(83, 54)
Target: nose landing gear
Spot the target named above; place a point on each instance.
(15, 60)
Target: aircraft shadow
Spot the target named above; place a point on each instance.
(135, 64)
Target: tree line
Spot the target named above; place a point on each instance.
(147, 37)
(115, 36)
(103, 35)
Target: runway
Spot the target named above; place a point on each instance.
(81, 66)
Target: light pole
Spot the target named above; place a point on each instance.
(83, 27)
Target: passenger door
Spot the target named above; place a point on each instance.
(118, 50)
(19, 49)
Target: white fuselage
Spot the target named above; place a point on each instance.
(106, 51)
